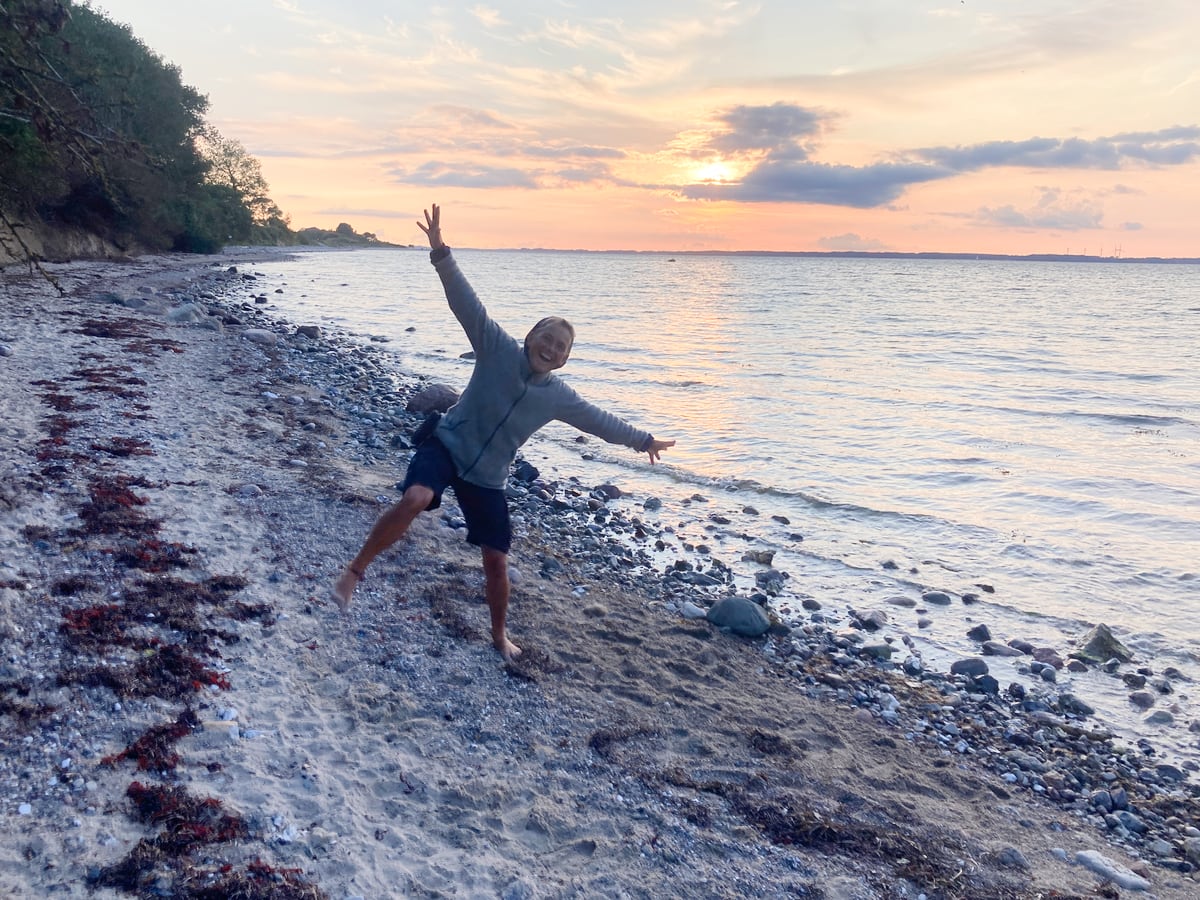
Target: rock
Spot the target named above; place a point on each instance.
(5, 350)
(313, 332)
(690, 610)
(525, 471)
(260, 336)
(651, 504)
(1191, 850)
(995, 648)
(770, 581)
(1048, 656)
(985, 684)
(877, 651)
(435, 398)
(1099, 645)
(1122, 877)
(980, 633)
(938, 598)
(973, 667)
(871, 620)
(609, 491)
(906, 602)
(1071, 703)
(1012, 858)
(763, 557)
(740, 615)
(1142, 699)
(187, 314)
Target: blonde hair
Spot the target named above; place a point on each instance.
(549, 322)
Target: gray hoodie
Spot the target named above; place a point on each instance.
(506, 401)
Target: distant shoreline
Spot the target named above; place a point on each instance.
(883, 254)
(818, 254)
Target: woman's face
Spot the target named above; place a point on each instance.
(548, 348)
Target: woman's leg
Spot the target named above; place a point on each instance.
(388, 529)
(496, 589)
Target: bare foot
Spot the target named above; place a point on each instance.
(507, 648)
(343, 588)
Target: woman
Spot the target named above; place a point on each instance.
(512, 393)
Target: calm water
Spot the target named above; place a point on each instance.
(1034, 427)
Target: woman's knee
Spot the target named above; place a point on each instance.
(416, 498)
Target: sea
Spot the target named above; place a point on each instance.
(1025, 431)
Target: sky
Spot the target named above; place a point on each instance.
(965, 126)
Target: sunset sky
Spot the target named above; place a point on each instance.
(991, 126)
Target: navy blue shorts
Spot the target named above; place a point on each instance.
(485, 509)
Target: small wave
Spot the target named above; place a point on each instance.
(1136, 419)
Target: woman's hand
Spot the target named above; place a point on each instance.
(656, 448)
(433, 228)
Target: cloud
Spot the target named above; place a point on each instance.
(488, 17)
(552, 152)
(586, 174)
(1171, 146)
(433, 174)
(471, 118)
(777, 128)
(789, 181)
(779, 141)
(1051, 211)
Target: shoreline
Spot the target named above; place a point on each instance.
(392, 753)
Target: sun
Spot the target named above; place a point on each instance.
(714, 170)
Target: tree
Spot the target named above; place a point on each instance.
(98, 133)
(231, 166)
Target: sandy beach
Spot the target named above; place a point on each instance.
(185, 713)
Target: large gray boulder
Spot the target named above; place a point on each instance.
(740, 615)
(435, 398)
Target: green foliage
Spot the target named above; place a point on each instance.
(98, 132)
(342, 236)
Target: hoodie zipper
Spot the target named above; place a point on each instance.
(499, 425)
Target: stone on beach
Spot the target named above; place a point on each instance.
(261, 336)
(741, 616)
(434, 398)
(1118, 874)
(1100, 645)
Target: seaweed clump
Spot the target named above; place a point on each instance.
(155, 749)
(163, 865)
